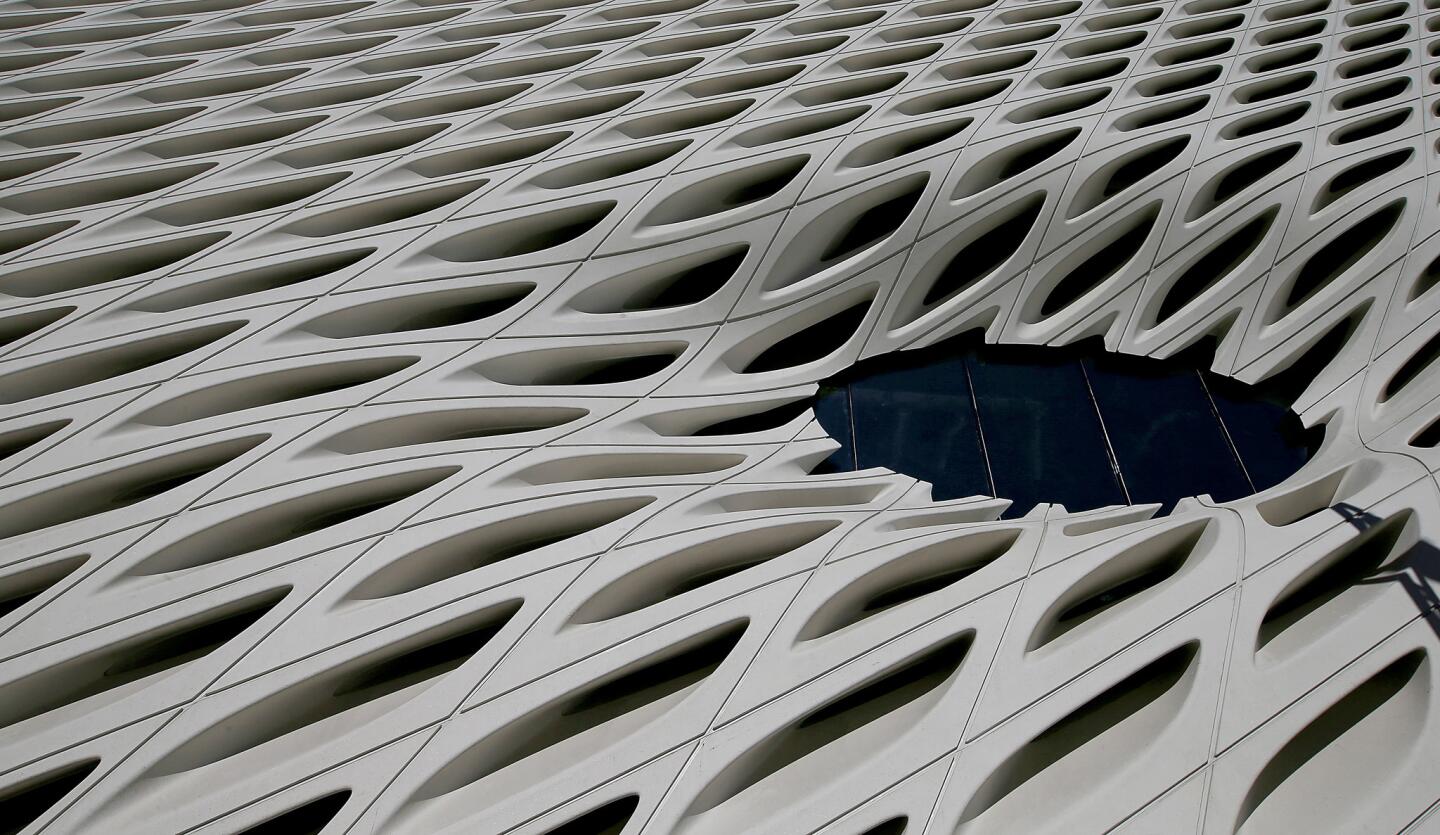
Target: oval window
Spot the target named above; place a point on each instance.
(1082, 428)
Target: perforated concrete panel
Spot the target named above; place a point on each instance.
(392, 436)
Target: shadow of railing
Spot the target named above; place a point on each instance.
(1413, 571)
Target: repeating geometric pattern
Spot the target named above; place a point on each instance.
(405, 421)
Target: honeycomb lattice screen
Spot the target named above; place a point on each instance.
(404, 423)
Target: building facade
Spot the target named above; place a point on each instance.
(420, 416)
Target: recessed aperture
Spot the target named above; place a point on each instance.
(1082, 428)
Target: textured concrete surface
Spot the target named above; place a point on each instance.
(365, 370)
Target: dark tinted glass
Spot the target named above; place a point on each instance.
(1080, 428)
(1269, 437)
(1042, 432)
(921, 421)
(1164, 431)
